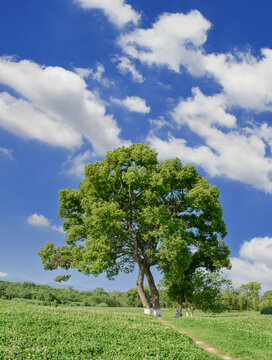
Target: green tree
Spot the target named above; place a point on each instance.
(133, 299)
(132, 210)
(249, 295)
(205, 248)
(266, 299)
(268, 294)
(205, 291)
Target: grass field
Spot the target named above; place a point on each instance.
(246, 335)
(38, 332)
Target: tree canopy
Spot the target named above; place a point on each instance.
(132, 210)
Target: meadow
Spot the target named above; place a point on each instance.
(244, 335)
(30, 331)
(79, 333)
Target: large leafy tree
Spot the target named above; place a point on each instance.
(131, 210)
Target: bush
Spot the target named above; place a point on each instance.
(72, 303)
(267, 310)
(102, 305)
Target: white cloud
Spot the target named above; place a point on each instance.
(118, 12)
(74, 166)
(258, 250)
(254, 264)
(83, 72)
(133, 104)
(174, 40)
(42, 222)
(22, 118)
(246, 79)
(177, 40)
(7, 152)
(56, 107)
(2, 274)
(125, 66)
(244, 271)
(38, 220)
(203, 111)
(96, 74)
(159, 123)
(136, 104)
(228, 150)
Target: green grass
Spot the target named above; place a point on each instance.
(29, 331)
(246, 335)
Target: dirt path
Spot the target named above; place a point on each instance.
(202, 344)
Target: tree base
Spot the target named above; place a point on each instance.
(147, 311)
(178, 314)
(157, 312)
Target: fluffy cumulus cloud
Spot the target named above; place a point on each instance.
(118, 12)
(225, 146)
(133, 104)
(175, 40)
(258, 250)
(3, 274)
(254, 263)
(20, 117)
(8, 153)
(246, 79)
(226, 149)
(54, 106)
(42, 222)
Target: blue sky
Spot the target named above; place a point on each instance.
(79, 77)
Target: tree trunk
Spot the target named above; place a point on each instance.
(179, 307)
(141, 292)
(154, 292)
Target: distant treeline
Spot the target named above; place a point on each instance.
(245, 297)
(47, 295)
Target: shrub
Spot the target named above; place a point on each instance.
(102, 305)
(267, 310)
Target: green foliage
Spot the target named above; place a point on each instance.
(133, 299)
(267, 310)
(268, 294)
(246, 297)
(130, 209)
(102, 305)
(32, 332)
(61, 278)
(204, 292)
(47, 295)
(251, 289)
(202, 246)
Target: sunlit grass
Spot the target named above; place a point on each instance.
(246, 335)
(37, 332)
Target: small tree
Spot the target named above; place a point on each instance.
(205, 292)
